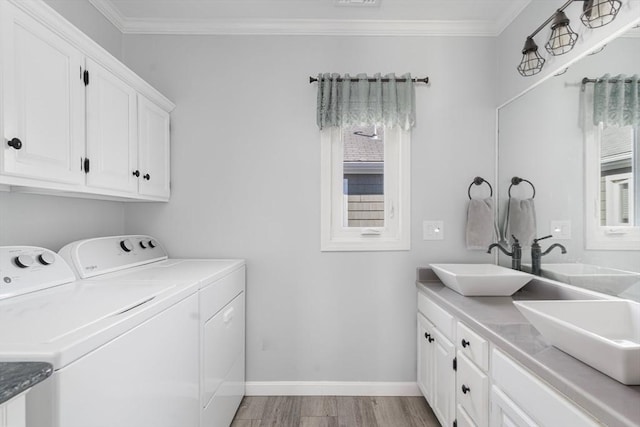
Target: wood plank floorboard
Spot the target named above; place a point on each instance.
(334, 411)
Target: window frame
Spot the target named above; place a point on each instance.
(597, 236)
(395, 234)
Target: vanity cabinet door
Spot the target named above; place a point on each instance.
(444, 379)
(112, 146)
(43, 101)
(425, 357)
(153, 149)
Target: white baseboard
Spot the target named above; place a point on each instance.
(330, 388)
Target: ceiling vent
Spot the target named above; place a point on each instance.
(357, 2)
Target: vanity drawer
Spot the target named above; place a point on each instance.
(473, 346)
(472, 391)
(442, 320)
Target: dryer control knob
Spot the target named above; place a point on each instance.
(46, 258)
(143, 244)
(153, 243)
(24, 261)
(126, 245)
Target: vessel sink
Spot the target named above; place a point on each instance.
(594, 277)
(604, 334)
(481, 279)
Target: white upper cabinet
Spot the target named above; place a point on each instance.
(153, 149)
(43, 102)
(75, 120)
(112, 138)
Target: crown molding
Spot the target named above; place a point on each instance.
(111, 12)
(319, 27)
(513, 10)
(309, 27)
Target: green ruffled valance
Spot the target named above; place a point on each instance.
(356, 101)
(616, 101)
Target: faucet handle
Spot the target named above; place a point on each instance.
(541, 238)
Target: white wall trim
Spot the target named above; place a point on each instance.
(331, 388)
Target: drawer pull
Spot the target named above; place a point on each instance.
(228, 315)
(465, 343)
(465, 389)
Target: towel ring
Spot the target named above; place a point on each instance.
(516, 180)
(478, 181)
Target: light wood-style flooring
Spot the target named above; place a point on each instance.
(334, 411)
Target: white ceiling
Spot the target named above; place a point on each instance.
(316, 17)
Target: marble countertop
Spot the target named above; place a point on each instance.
(16, 377)
(498, 320)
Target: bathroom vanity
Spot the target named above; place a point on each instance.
(481, 363)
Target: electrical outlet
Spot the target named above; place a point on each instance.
(560, 230)
(433, 230)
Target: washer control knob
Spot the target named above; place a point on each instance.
(46, 258)
(153, 243)
(143, 244)
(126, 245)
(24, 261)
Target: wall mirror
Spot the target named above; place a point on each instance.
(586, 177)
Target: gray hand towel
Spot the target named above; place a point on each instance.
(481, 228)
(520, 221)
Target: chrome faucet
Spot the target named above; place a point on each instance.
(515, 254)
(537, 254)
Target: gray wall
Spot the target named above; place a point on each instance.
(246, 178)
(51, 222)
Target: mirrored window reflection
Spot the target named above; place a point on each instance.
(363, 180)
(617, 195)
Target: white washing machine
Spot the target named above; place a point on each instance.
(129, 335)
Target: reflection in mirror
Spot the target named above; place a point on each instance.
(586, 176)
(616, 176)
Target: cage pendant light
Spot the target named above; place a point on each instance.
(598, 13)
(563, 38)
(531, 62)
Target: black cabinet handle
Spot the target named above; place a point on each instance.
(465, 343)
(431, 339)
(15, 143)
(465, 389)
(427, 336)
(136, 173)
(147, 176)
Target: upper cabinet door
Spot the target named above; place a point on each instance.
(154, 149)
(111, 131)
(43, 101)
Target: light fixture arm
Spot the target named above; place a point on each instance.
(551, 18)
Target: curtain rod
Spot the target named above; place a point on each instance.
(588, 80)
(423, 80)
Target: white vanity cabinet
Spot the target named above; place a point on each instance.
(436, 354)
(75, 120)
(519, 399)
(42, 101)
(472, 378)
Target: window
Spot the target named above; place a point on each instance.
(365, 188)
(611, 175)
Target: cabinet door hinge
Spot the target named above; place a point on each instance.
(455, 363)
(85, 77)
(86, 165)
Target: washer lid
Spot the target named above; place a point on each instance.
(61, 324)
